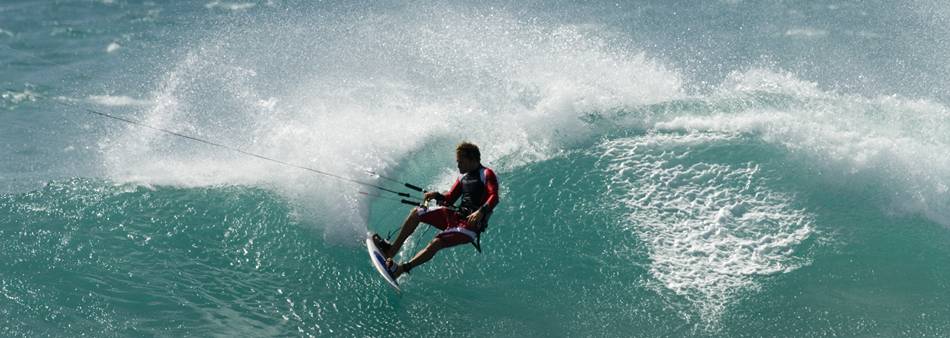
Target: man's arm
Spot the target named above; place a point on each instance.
(452, 195)
(491, 184)
(491, 187)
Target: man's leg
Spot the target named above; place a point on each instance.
(412, 221)
(423, 256)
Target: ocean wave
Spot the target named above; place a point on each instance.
(516, 86)
(888, 141)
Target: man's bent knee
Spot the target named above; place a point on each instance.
(437, 243)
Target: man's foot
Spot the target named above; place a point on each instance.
(394, 269)
(383, 246)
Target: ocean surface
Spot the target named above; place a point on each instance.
(668, 168)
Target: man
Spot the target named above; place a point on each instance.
(478, 188)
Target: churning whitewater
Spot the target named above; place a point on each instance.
(725, 168)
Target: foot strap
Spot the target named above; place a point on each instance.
(391, 266)
(381, 244)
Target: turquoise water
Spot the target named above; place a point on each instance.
(717, 169)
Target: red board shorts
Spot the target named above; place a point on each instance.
(455, 229)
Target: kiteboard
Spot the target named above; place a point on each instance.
(379, 261)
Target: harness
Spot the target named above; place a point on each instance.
(475, 236)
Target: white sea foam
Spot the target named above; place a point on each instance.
(768, 81)
(233, 6)
(711, 229)
(112, 47)
(17, 97)
(118, 101)
(806, 32)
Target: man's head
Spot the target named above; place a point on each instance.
(467, 156)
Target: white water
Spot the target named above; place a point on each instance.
(364, 92)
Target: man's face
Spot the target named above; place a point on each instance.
(465, 164)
